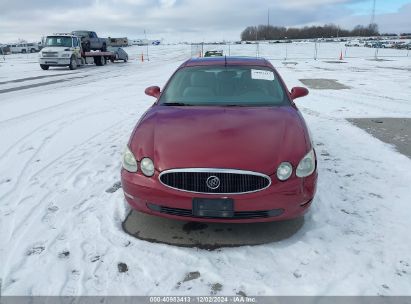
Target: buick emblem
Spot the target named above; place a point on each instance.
(213, 182)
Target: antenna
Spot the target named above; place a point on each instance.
(268, 18)
(373, 12)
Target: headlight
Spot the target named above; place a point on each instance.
(307, 165)
(147, 166)
(129, 161)
(284, 171)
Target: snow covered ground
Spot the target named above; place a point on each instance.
(61, 144)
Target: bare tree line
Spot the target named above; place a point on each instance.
(268, 32)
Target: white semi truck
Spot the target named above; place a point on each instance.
(66, 50)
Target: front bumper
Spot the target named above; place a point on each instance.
(280, 201)
(53, 61)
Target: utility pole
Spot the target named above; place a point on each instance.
(145, 35)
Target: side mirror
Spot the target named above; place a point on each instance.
(153, 91)
(297, 92)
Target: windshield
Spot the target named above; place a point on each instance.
(58, 41)
(81, 34)
(223, 86)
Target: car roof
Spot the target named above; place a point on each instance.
(227, 60)
(61, 35)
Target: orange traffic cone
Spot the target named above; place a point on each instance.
(341, 56)
(142, 57)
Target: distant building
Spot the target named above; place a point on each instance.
(405, 36)
(118, 42)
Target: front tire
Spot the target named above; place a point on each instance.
(99, 60)
(73, 63)
(104, 47)
(44, 67)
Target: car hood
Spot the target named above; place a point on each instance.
(246, 138)
(54, 49)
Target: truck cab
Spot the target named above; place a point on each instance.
(61, 50)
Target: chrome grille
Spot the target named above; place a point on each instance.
(237, 214)
(230, 181)
(50, 54)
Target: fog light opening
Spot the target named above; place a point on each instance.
(153, 207)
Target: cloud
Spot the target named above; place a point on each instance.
(167, 3)
(175, 20)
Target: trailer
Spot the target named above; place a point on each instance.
(66, 50)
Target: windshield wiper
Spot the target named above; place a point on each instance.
(176, 104)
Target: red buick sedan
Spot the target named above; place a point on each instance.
(224, 142)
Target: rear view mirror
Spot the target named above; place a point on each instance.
(153, 91)
(297, 92)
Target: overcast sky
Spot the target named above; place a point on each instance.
(189, 20)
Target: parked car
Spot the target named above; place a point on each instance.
(376, 45)
(224, 142)
(388, 45)
(400, 45)
(213, 53)
(90, 41)
(120, 54)
(5, 49)
(19, 48)
(355, 43)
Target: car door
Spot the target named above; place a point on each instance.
(76, 46)
(93, 41)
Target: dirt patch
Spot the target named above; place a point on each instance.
(114, 188)
(35, 78)
(122, 267)
(189, 277)
(396, 68)
(216, 287)
(208, 236)
(323, 84)
(335, 61)
(395, 131)
(64, 254)
(35, 85)
(379, 59)
(35, 250)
